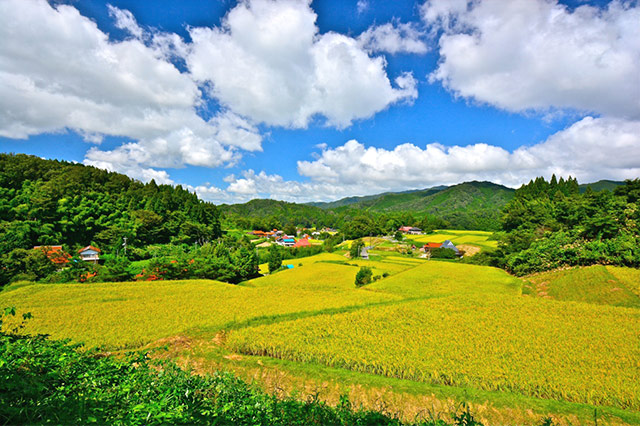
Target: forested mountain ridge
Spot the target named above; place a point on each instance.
(51, 202)
(469, 205)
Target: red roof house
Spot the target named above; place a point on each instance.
(302, 242)
(430, 246)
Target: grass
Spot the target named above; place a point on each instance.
(442, 328)
(594, 284)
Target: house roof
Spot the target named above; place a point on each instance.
(302, 242)
(90, 248)
(55, 254)
(432, 245)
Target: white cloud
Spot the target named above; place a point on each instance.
(591, 149)
(394, 38)
(362, 6)
(268, 62)
(537, 54)
(64, 73)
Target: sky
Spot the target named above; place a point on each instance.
(303, 101)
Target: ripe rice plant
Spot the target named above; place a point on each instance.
(541, 348)
(128, 315)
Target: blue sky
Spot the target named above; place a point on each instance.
(315, 101)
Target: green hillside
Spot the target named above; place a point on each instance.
(601, 185)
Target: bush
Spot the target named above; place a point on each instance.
(363, 276)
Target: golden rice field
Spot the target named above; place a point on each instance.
(473, 238)
(126, 315)
(433, 278)
(443, 323)
(605, 285)
(547, 349)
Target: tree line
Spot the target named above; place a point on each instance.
(550, 224)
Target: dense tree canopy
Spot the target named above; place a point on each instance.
(551, 224)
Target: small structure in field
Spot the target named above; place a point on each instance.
(364, 253)
(90, 254)
(55, 254)
(286, 241)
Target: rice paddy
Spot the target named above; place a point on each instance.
(430, 322)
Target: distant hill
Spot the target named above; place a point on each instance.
(373, 198)
(470, 205)
(278, 213)
(601, 185)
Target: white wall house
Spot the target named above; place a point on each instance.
(90, 254)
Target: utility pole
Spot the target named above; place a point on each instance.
(125, 246)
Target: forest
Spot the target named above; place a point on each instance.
(551, 224)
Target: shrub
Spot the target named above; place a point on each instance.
(363, 276)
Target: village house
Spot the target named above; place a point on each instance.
(446, 244)
(286, 241)
(303, 242)
(410, 230)
(89, 254)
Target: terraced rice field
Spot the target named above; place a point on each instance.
(533, 347)
(127, 315)
(439, 323)
(473, 238)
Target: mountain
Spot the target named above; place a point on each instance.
(269, 214)
(601, 185)
(470, 205)
(369, 198)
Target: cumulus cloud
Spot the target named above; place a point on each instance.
(65, 73)
(537, 54)
(394, 38)
(591, 149)
(268, 62)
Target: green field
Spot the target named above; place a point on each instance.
(605, 285)
(450, 329)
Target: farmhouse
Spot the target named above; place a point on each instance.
(410, 230)
(286, 241)
(89, 254)
(429, 246)
(447, 244)
(55, 254)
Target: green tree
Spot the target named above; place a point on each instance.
(356, 248)
(363, 276)
(274, 259)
